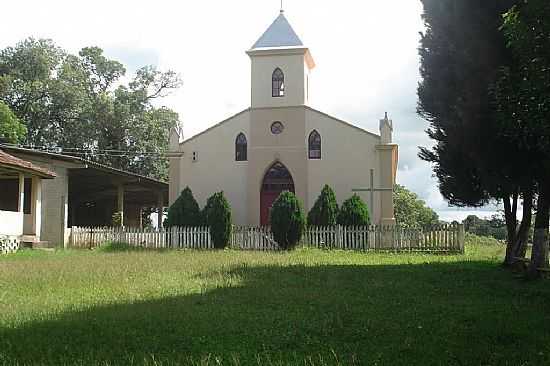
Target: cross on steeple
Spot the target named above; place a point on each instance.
(282, 9)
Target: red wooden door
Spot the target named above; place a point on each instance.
(276, 180)
(266, 202)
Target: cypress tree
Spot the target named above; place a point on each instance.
(325, 210)
(185, 211)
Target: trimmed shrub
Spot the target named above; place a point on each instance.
(116, 219)
(185, 211)
(217, 213)
(354, 212)
(325, 210)
(287, 220)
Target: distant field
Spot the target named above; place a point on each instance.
(309, 307)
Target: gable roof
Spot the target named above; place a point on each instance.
(280, 34)
(13, 163)
(348, 124)
(214, 126)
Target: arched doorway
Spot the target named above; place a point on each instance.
(276, 180)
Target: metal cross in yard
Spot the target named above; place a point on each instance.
(371, 189)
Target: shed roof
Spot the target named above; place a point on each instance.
(12, 163)
(85, 164)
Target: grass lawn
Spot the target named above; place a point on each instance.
(308, 307)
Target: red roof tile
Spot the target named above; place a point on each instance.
(9, 161)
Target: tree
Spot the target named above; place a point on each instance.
(527, 87)
(325, 210)
(77, 104)
(11, 128)
(461, 53)
(217, 214)
(410, 211)
(287, 220)
(185, 211)
(354, 212)
(494, 227)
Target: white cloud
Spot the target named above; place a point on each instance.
(366, 52)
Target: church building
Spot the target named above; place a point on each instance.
(280, 143)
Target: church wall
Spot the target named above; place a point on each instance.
(267, 148)
(347, 154)
(293, 68)
(216, 169)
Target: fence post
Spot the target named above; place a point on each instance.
(461, 237)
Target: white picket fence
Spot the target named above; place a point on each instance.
(8, 244)
(174, 238)
(373, 238)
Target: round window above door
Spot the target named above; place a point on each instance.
(277, 128)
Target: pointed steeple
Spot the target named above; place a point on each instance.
(279, 35)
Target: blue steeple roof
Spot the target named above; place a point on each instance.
(279, 35)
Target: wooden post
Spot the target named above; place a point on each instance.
(36, 206)
(461, 237)
(160, 208)
(120, 203)
(21, 197)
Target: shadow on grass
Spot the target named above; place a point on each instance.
(445, 314)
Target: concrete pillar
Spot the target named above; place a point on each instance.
(64, 222)
(160, 208)
(175, 165)
(21, 197)
(36, 206)
(388, 170)
(120, 203)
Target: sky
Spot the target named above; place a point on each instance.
(366, 55)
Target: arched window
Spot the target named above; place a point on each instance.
(241, 148)
(278, 83)
(314, 145)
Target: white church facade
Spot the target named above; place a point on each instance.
(280, 143)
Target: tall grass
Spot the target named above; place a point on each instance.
(116, 306)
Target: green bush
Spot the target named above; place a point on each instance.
(217, 214)
(354, 212)
(473, 239)
(287, 220)
(116, 219)
(185, 211)
(325, 210)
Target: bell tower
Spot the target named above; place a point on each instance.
(280, 66)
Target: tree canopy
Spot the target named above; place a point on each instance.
(523, 99)
(463, 51)
(11, 128)
(79, 105)
(410, 211)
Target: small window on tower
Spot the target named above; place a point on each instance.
(195, 156)
(278, 83)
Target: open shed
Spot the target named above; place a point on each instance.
(85, 193)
